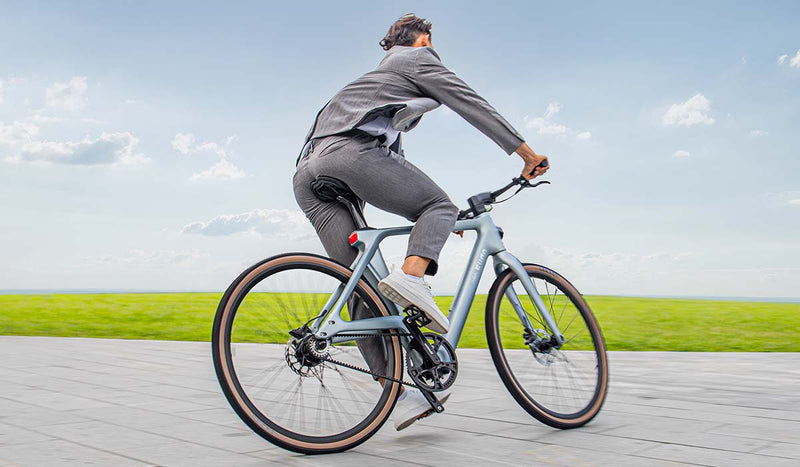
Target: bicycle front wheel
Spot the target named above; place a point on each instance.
(562, 387)
(298, 392)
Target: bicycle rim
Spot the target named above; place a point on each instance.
(563, 387)
(289, 393)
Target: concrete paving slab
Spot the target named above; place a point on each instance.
(123, 402)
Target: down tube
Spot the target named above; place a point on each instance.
(466, 292)
(513, 263)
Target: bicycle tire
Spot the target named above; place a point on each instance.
(248, 398)
(558, 411)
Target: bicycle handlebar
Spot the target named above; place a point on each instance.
(478, 203)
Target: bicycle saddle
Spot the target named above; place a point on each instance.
(328, 189)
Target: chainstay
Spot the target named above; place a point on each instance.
(364, 370)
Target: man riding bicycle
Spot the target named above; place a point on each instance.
(356, 139)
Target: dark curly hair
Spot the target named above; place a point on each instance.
(405, 31)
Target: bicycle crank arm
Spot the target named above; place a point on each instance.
(415, 319)
(433, 401)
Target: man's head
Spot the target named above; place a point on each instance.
(409, 30)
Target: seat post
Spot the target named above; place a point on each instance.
(355, 212)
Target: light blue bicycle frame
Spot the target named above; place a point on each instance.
(370, 264)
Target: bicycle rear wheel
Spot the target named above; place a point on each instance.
(285, 387)
(562, 387)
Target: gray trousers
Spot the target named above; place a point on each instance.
(384, 179)
(379, 177)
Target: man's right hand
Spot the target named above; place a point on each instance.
(532, 161)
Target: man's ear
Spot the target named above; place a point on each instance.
(423, 40)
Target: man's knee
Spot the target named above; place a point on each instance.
(446, 208)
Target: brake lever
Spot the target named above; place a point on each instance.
(528, 184)
(524, 183)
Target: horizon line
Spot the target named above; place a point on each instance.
(160, 291)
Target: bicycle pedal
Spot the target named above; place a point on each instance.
(416, 316)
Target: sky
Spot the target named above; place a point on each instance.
(151, 145)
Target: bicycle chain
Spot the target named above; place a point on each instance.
(363, 370)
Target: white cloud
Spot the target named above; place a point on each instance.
(681, 154)
(545, 126)
(1, 91)
(68, 96)
(281, 223)
(793, 62)
(757, 133)
(183, 142)
(17, 133)
(692, 112)
(552, 109)
(218, 149)
(222, 170)
(186, 143)
(783, 198)
(110, 149)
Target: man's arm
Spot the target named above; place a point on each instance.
(435, 80)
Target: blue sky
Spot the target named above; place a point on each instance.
(146, 145)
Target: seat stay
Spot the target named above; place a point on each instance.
(332, 300)
(376, 270)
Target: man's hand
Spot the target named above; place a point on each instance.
(532, 161)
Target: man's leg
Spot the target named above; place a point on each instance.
(334, 225)
(386, 180)
(389, 182)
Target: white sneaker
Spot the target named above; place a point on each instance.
(413, 407)
(407, 290)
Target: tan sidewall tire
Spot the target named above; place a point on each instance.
(223, 366)
(505, 372)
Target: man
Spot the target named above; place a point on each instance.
(356, 139)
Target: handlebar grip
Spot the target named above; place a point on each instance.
(542, 164)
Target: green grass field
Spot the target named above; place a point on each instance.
(627, 323)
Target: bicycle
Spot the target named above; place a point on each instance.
(313, 394)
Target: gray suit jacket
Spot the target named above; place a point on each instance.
(408, 82)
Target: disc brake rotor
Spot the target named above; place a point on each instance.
(304, 354)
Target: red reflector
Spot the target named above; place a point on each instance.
(353, 237)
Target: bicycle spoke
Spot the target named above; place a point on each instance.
(557, 381)
(570, 323)
(280, 376)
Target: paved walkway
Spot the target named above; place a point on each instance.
(118, 402)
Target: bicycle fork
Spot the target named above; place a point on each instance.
(505, 260)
